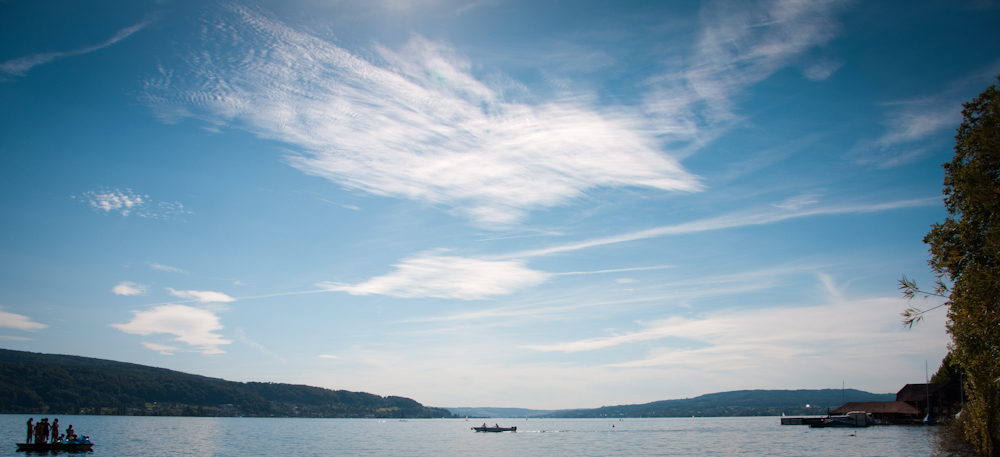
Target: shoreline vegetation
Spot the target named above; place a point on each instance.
(34, 383)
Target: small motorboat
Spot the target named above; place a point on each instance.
(77, 445)
(494, 429)
(851, 419)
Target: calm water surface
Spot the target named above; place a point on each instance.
(195, 436)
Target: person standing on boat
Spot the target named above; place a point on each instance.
(40, 432)
(31, 430)
(55, 431)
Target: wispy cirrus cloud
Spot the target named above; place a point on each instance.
(740, 44)
(741, 339)
(202, 296)
(907, 125)
(20, 322)
(821, 70)
(129, 288)
(126, 202)
(440, 276)
(910, 123)
(798, 202)
(418, 126)
(432, 275)
(21, 65)
(190, 325)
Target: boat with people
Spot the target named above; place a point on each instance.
(76, 445)
(44, 436)
(494, 428)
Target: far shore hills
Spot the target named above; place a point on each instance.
(35, 383)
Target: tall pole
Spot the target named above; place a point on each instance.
(927, 377)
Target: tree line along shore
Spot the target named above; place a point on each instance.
(33, 383)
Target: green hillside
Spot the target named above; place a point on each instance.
(60, 384)
(736, 403)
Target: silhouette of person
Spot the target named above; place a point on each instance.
(31, 429)
(45, 430)
(39, 432)
(55, 431)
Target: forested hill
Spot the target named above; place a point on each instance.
(61, 384)
(737, 403)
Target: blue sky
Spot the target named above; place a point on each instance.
(493, 203)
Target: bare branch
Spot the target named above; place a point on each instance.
(913, 315)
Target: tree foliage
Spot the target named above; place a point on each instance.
(965, 250)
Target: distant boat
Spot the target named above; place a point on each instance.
(495, 429)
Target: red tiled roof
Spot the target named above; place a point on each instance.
(878, 407)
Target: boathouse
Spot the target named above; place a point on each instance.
(885, 412)
(944, 398)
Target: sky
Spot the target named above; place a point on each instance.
(540, 204)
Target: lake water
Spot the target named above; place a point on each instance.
(196, 436)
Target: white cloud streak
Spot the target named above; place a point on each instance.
(162, 267)
(742, 339)
(19, 322)
(202, 296)
(797, 202)
(129, 288)
(437, 276)
(618, 270)
(190, 325)
(418, 127)
(21, 65)
(162, 348)
(721, 222)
